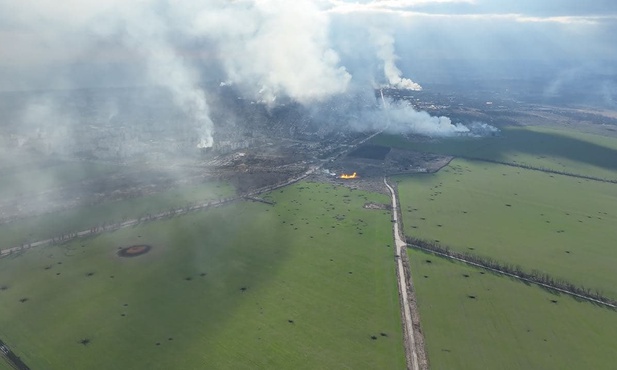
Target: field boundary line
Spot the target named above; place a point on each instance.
(11, 358)
(539, 169)
(113, 226)
(518, 277)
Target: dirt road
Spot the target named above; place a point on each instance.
(410, 343)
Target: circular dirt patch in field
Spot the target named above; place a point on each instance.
(134, 250)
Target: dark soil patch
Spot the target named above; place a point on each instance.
(134, 250)
(371, 152)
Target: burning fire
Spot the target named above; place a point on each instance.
(347, 177)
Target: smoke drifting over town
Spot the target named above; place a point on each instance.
(271, 52)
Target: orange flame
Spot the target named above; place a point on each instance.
(347, 177)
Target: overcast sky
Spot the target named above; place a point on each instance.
(281, 47)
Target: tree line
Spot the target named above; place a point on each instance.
(533, 276)
(541, 169)
(126, 221)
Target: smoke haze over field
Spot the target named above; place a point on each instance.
(303, 51)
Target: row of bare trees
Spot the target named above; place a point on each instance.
(541, 169)
(116, 225)
(127, 221)
(534, 276)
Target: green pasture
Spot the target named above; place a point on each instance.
(557, 224)
(4, 365)
(507, 324)
(558, 149)
(83, 218)
(303, 284)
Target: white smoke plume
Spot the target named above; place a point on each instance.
(400, 117)
(268, 50)
(384, 42)
(132, 32)
(147, 33)
(273, 48)
(404, 119)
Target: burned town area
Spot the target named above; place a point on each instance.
(92, 146)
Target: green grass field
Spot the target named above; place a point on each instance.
(302, 284)
(560, 149)
(508, 325)
(82, 218)
(556, 224)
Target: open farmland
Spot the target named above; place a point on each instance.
(556, 224)
(474, 319)
(306, 283)
(562, 149)
(45, 226)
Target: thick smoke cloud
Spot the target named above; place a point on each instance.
(384, 42)
(138, 32)
(404, 119)
(400, 117)
(271, 51)
(274, 48)
(147, 33)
